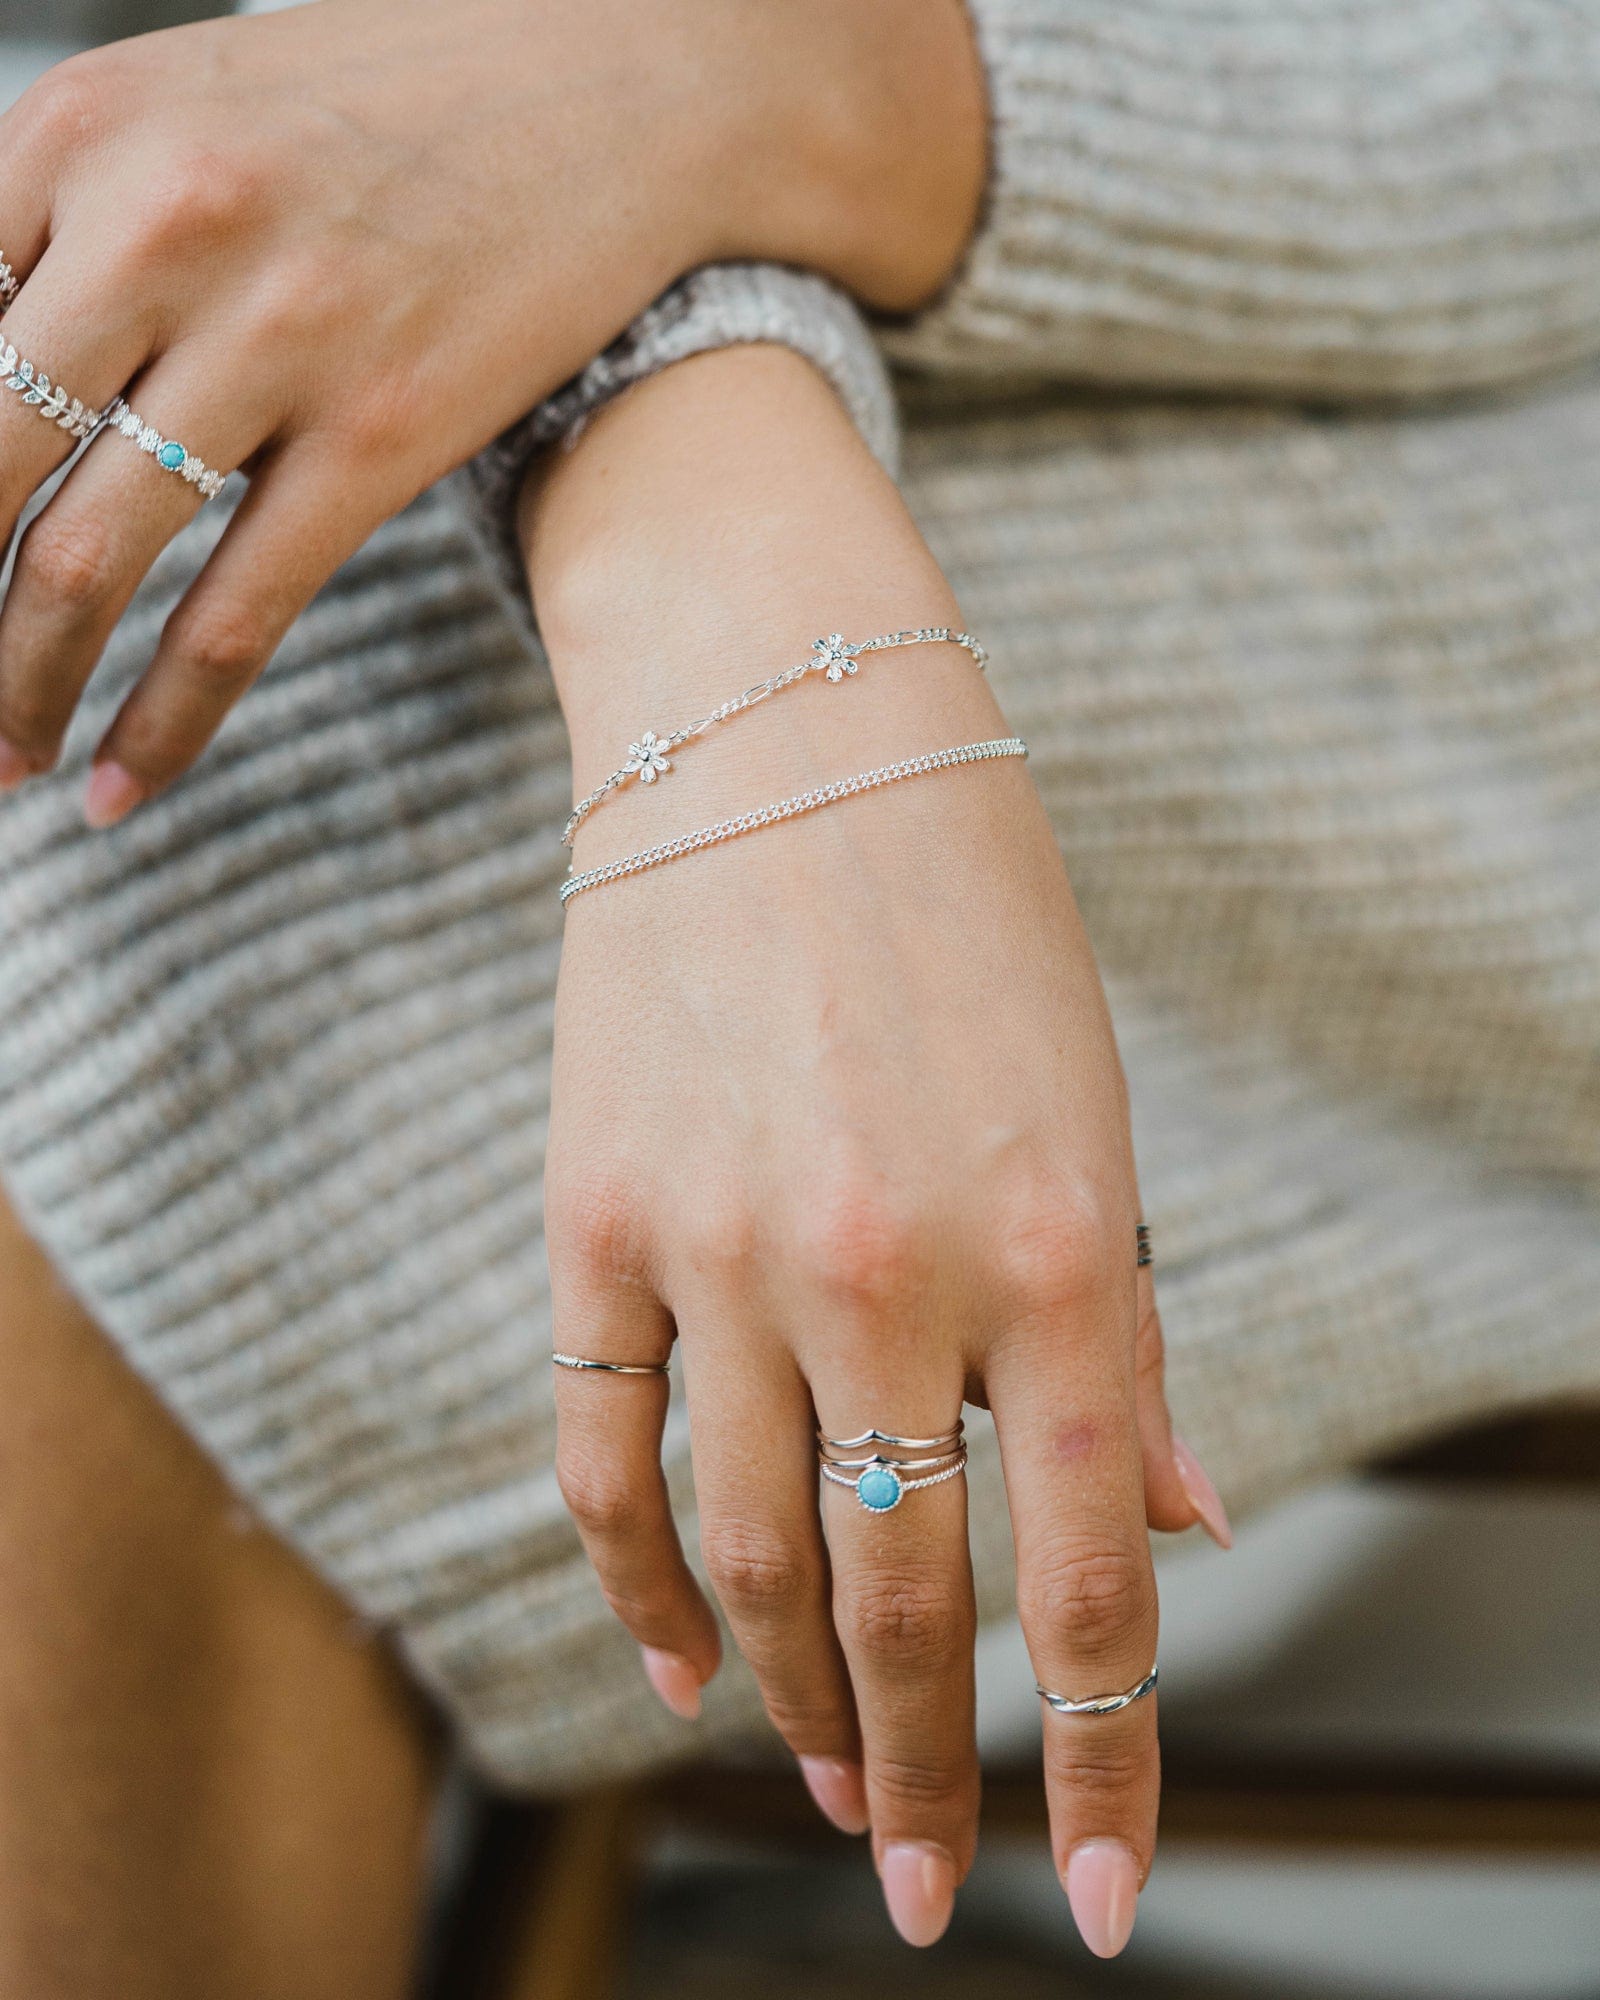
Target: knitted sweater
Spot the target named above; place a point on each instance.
(1314, 700)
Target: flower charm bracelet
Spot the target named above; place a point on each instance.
(648, 758)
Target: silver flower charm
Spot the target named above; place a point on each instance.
(648, 757)
(834, 656)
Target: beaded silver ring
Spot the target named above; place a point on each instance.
(167, 452)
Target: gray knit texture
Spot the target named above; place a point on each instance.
(1314, 701)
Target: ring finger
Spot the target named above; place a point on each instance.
(904, 1607)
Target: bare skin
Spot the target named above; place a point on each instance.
(213, 1784)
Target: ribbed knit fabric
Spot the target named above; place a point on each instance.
(1315, 705)
(1313, 196)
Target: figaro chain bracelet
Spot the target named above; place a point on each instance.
(791, 808)
(830, 657)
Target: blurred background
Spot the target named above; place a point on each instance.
(1381, 1716)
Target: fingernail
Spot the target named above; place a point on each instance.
(1203, 1496)
(112, 795)
(677, 1683)
(1102, 1884)
(840, 1790)
(14, 767)
(919, 1886)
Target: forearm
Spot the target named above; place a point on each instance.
(698, 537)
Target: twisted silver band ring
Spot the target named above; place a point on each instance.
(9, 287)
(52, 402)
(167, 452)
(1100, 1704)
(611, 1367)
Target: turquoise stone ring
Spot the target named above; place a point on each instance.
(167, 452)
(878, 1489)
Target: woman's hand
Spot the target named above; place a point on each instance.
(838, 1107)
(343, 246)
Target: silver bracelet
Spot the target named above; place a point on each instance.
(830, 657)
(802, 802)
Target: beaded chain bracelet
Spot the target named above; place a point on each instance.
(790, 808)
(830, 657)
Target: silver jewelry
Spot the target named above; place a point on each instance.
(167, 452)
(1100, 1704)
(9, 287)
(897, 1466)
(611, 1367)
(50, 400)
(648, 758)
(1147, 1256)
(802, 802)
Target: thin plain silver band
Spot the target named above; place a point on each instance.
(50, 400)
(894, 1443)
(1100, 1704)
(195, 471)
(802, 802)
(611, 1367)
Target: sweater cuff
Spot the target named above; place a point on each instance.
(723, 305)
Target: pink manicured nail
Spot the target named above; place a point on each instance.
(1102, 1884)
(840, 1790)
(677, 1683)
(1203, 1496)
(112, 795)
(919, 1886)
(14, 767)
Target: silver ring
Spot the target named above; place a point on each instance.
(1141, 1237)
(9, 287)
(611, 1367)
(1100, 1704)
(882, 1485)
(49, 399)
(167, 452)
(892, 1442)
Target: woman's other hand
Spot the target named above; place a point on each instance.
(341, 247)
(838, 1108)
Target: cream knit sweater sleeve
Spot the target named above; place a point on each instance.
(1318, 197)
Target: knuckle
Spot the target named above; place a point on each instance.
(757, 1570)
(859, 1242)
(72, 562)
(918, 1787)
(599, 1495)
(1094, 1599)
(1054, 1246)
(69, 105)
(596, 1223)
(201, 194)
(900, 1620)
(805, 1723)
(1106, 1767)
(221, 647)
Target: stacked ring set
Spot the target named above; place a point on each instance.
(80, 420)
(894, 1466)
